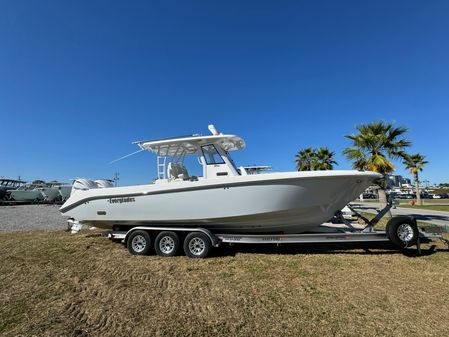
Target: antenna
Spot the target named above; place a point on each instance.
(116, 178)
(213, 130)
(128, 155)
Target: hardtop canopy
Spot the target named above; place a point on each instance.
(190, 144)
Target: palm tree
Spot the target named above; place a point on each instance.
(373, 148)
(310, 159)
(324, 159)
(415, 163)
(304, 159)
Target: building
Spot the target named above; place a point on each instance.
(399, 182)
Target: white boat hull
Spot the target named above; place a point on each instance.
(50, 193)
(292, 202)
(27, 195)
(64, 191)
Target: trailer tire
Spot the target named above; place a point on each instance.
(139, 243)
(402, 231)
(167, 244)
(197, 245)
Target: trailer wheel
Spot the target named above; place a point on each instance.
(139, 243)
(167, 244)
(197, 245)
(402, 231)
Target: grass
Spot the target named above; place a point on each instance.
(381, 225)
(57, 284)
(443, 202)
(430, 207)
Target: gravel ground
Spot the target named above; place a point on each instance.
(30, 217)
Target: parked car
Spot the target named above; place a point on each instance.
(405, 196)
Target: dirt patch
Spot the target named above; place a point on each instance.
(57, 284)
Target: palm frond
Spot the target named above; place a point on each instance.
(374, 144)
(414, 162)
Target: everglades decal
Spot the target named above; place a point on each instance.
(121, 200)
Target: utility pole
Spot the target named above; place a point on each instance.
(116, 178)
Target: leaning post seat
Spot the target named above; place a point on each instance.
(177, 171)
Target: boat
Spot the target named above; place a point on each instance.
(27, 193)
(50, 193)
(50, 190)
(224, 198)
(55, 191)
(64, 191)
(8, 185)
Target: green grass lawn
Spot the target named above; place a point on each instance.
(58, 284)
(383, 222)
(427, 202)
(429, 207)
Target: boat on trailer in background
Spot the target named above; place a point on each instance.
(224, 200)
(7, 185)
(64, 191)
(50, 191)
(38, 191)
(28, 193)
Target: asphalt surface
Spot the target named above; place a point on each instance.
(431, 216)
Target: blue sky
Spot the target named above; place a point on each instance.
(81, 80)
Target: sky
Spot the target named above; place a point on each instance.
(81, 80)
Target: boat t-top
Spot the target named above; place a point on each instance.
(225, 198)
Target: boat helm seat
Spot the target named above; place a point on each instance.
(177, 171)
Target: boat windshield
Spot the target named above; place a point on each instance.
(211, 155)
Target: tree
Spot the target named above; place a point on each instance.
(310, 159)
(324, 159)
(304, 159)
(373, 148)
(415, 163)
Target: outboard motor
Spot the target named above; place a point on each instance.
(83, 185)
(104, 183)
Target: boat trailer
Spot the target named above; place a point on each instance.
(402, 231)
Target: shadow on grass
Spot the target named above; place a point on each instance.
(351, 248)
